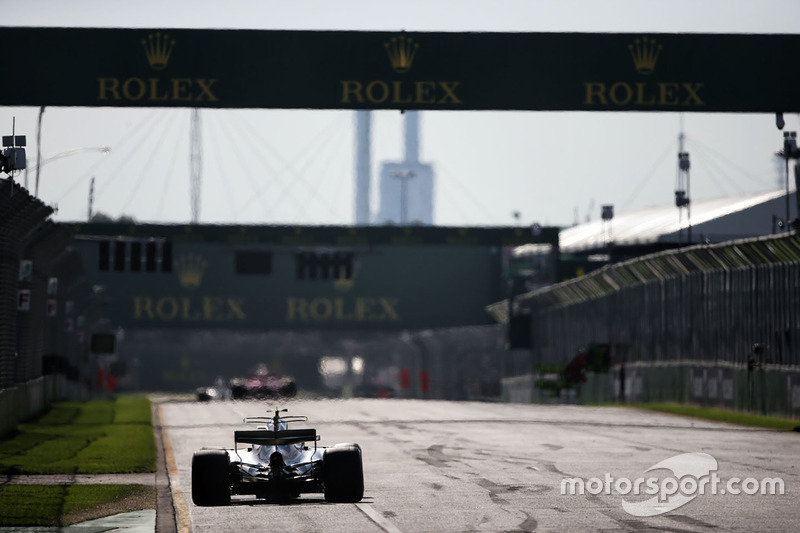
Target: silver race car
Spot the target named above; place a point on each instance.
(277, 463)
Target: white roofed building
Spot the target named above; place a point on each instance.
(590, 245)
(715, 220)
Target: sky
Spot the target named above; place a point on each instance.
(297, 166)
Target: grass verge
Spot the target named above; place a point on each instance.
(63, 505)
(720, 415)
(94, 437)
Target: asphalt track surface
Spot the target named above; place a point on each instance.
(464, 466)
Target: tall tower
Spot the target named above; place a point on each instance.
(363, 163)
(195, 164)
(406, 187)
(412, 136)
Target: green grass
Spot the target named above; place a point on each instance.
(62, 505)
(720, 415)
(94, 437)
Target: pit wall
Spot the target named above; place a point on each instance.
(768, 391)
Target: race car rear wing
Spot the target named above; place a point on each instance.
(287, 419)
(265, 437)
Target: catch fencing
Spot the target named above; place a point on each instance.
(45, 307)
(724, 306)
(20, 216)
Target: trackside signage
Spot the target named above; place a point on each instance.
(399, 70)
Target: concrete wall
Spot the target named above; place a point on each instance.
(30, 399)
(766, 390)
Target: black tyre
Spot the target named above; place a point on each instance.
(343, 473)
(289, 390)
(238, 392)
(211, 478)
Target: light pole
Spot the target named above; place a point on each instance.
(789, 151)
(685, 201)
(682, 198)
(60, 155)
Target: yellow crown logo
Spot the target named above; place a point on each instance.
(341, 283)
(190, 268)
(645, 54)
(158, 48)
(401, 53)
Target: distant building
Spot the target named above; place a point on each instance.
(586, 247)
(656, 228)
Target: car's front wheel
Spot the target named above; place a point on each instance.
(211, 478)
(343, 473)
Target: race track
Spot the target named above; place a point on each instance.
(462, 466)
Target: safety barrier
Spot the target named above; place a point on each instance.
(20, 216)
(728, 306)
(47, 307)
(30, 399)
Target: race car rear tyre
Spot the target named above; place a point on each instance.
(211, 478)
(343, 473)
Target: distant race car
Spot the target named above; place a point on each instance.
(263, 384)
(218, 391)
(277, 464)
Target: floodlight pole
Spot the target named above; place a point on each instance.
(787, 191)
(683, 166)
(682, 197)
(688, 205)
(786, 137)
(789, 151)
(67, 153)
(38, 152)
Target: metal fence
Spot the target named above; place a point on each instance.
(46, 305)
(706, 303)
(20, 216)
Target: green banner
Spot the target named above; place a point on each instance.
(280, 278)
(402, 70)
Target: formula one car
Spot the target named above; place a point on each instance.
(263, 384)
(277, 464)
(218, 391)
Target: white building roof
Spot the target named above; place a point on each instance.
(714, 220)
